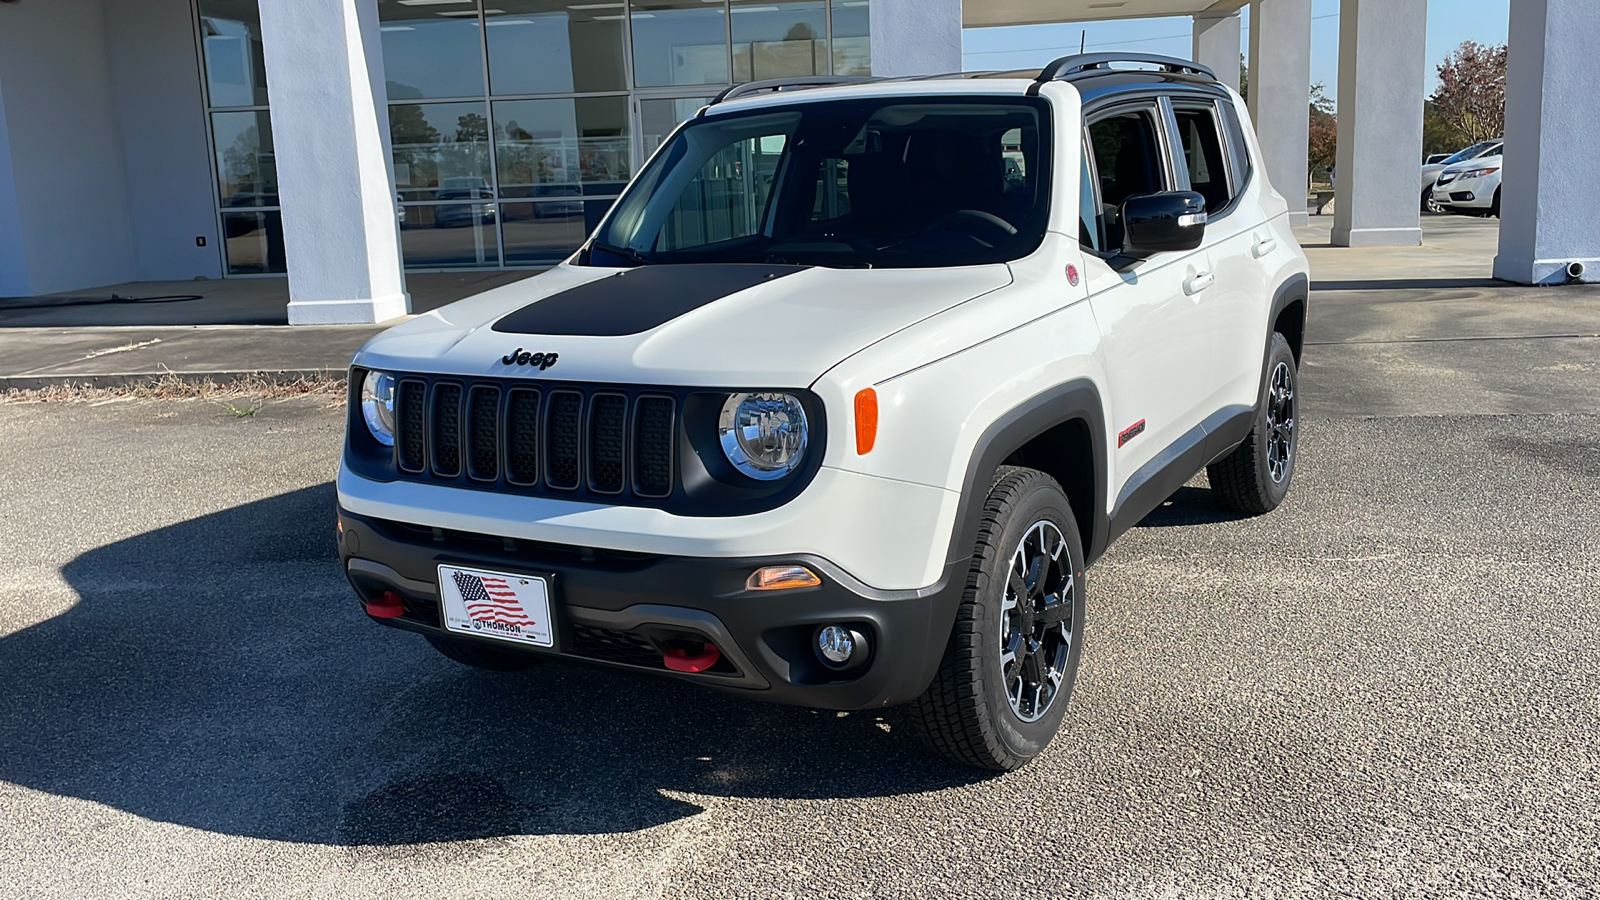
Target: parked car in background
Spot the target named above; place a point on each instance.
(465, 213)
(1470, 188)
(1432, 170)
(1435, 158)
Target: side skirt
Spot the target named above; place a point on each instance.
(1161, 477)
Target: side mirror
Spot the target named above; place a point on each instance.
(1156, 223)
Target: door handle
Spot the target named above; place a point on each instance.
(1263, 247)
(1198, 283)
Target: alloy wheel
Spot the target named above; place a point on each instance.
(1280, 422)
(1036, 620)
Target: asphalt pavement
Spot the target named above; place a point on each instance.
(1386, 688)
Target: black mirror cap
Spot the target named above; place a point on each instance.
(1159, 223)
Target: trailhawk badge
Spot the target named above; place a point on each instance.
(521, 357)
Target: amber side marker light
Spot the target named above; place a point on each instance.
(781, 578)
(866, 421)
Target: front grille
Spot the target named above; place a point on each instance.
(556, 440)
(615, 646)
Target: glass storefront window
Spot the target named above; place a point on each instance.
(431, 49)
(775, 40)
(441, 150)
(545, 233)
(254, 243)
(549, 142)
(852, 42)
(246, 173)
(679, 42)
(552, 47)
(230, 35)
(657, 119)
(450, 235)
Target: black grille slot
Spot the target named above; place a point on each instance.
(447, 430)
(483, 432)
(608, 429)
(615, 646)
(412, 440)
(652, 446)
(564, 427)
(522, 437)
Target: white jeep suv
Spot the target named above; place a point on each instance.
(844, 395)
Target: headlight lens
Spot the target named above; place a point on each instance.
(1478, 173)
(763, 435)
(377, 406)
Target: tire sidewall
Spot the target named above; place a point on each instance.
(1025, 740)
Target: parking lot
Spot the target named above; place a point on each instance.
(1386, 688)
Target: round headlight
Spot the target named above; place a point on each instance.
(763, 435)
(377, 406)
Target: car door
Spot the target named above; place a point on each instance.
(1238, 244)
(1157, 359)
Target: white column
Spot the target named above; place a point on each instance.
(1216, 45)
(915, 37)
(1547, 217)
(1382, 64)
(1280, 94)
(330, 130)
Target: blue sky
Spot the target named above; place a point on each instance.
(1449, 23)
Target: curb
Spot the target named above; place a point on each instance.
(145, 379)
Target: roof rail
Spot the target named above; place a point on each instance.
(1082, 65)
(786, 84)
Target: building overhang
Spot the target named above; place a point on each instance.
(991, 13)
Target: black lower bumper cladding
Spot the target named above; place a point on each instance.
(634, 610)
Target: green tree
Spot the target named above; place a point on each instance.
(1322, 144)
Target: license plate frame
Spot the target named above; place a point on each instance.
(508, 607)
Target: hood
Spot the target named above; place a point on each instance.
(689, 325)
(1482, 162)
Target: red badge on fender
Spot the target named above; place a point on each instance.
(1072, 275)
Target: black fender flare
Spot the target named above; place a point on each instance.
(1076, 399)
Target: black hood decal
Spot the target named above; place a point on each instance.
(637, 300)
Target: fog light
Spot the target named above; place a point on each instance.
(841, 647)
(781, 578)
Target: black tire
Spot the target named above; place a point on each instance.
(483, 656)
(1255, 477)
(967, 714)
(1494, 208)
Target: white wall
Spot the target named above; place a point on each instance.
(155, 75)
(66, 153)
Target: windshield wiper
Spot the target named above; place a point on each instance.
(625, 252)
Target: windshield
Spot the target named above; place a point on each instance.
(1473, 152)
(902, 182)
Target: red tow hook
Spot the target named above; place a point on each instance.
(678, 659)
(386, 605)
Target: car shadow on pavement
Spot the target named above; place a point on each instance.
(1191, 506)
(218, 674)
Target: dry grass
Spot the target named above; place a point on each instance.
(235, 394)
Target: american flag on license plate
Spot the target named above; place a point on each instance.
(490, 599)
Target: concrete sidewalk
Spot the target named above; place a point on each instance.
(1472, 343)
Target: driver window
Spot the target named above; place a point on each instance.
(727, 198)
(1127, 157)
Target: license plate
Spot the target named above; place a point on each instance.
(499, 605)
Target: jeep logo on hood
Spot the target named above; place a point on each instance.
(521, 357)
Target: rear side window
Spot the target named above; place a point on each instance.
(1203, 157)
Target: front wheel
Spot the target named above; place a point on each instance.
(1012, 658)
(1255, 477)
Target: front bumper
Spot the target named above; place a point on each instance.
(621, 609)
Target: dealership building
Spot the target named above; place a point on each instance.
(347, 142)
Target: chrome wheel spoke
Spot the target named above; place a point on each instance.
(1036, 620)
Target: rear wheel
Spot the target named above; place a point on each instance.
(1255, 477)
(1008, 670)
(483, 656)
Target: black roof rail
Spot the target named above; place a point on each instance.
(1082, 65)
(785, 84)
